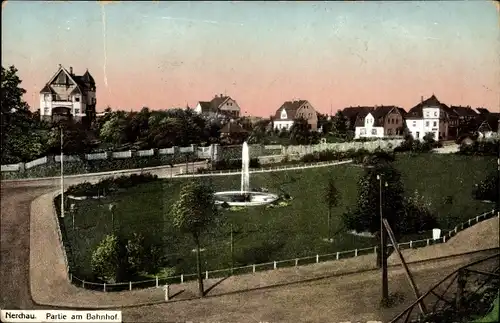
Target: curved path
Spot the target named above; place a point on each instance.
(333, 299)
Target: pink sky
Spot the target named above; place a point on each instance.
(333, 54)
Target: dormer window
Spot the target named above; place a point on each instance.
(77, 99)
(283, 114)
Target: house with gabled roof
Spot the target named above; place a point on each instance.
(220, 105)
(379, 122)
(68, 96)
(432, 116)
(290, 111)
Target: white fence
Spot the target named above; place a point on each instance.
(273, 265)
(36, 162)
(11, 167)
(211, 152)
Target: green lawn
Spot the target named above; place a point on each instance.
(262, 234)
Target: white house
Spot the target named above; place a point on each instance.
(429, 116)
(68, 95)
(367, 126)
(219, 105)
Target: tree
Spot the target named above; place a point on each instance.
(419, 215)
(136, 253)
(20, 138)
(194, 212)
(365, 216)
(108, 259)
(331, 200)
(300, 132)
(488, 189)
(339, 124)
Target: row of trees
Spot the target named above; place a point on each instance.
(25, 137)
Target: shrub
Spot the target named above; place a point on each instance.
(109, 184)
(228, 164)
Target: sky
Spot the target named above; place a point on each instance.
(333, 54)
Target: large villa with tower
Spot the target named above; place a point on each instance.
(68, 96)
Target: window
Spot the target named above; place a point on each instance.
(46, 110)
(77, 111)
(435, 114)
(414, 123)
(77, 99)
(427, 114)
(434, 124)
(389, 132)
(362, 131)
(374, 132)
(427, 123)
(417, 134)
(397, 121)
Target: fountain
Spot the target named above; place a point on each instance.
(245, 197)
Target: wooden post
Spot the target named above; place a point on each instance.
(167, 292)
(411, 244)
(337, 256)
(156, 281)
(104, 287)
(83, 283)
(129, 285)
(253, 268)
(275, 265)
(427, 242)
(206, 274)
(355, 252)
(461, 281)
(317, 258)
(182, 278)
(296, 262)
(405, 266)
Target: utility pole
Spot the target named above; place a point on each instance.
(383, 245)
(232, 250)
(62, 173)
(112, 210)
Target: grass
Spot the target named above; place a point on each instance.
(263, 235)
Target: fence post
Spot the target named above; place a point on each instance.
(104, 287)
(156, 281)
(444, 238)
(182, 278)
(206, 274)
(355, 252)
(411, 244)
(70, 277)
(477, 218)
(469, 222)
(129, 285)
(375, 250)
(83, 283)
(253, 268)
(427, 242)
(337, 256)
(296, 262)
(317, 258)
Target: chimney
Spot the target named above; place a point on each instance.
(71, 70)
(221, 95)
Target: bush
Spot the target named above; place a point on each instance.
(487, 190)
(480, 148)
(110, 184)
(229, 164)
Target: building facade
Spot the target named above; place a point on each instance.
(68, 96)
(220, 105)
(290, 111)
(379, 122)
(429, 116)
